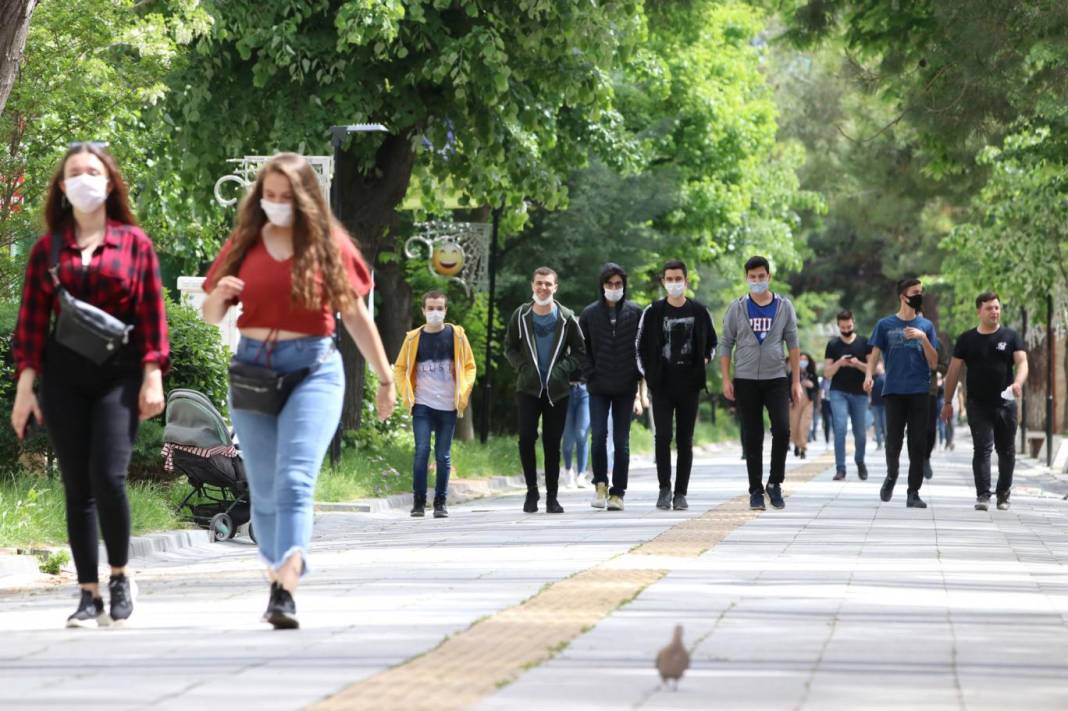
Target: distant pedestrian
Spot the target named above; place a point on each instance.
(544, 344)
(435, 372)
(992, 353)
(801, 410)
(910, 346)
(878, 407)
(756, 329)
(847, 357)
(577, 432)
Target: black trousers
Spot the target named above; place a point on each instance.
(620, 408)
(993, 427)
(932, 424)
(553, 417)
(92, 416)
(753, 397)
(909, 411)
(675, 411)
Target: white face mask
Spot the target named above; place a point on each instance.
(86, 192)
(613, 295)
(542, 302)
(434, 318)
(280, 214)
(676, 288)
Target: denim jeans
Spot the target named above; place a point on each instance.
(605, 412)
(878, 416)
(845, 407)
(577, 427)
(283, 453)
(443, 424)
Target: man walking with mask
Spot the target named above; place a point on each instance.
(756, 328)
(675, 342)
(846, 365)
(990, 351)
(610, 327)
(544, 344)
(910, 345)
(435, 372)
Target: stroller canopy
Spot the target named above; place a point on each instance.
(192, 421)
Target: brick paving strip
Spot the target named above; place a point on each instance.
(494, 651)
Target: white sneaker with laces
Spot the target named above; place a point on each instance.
(600, 496)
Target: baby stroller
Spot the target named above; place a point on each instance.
(197, 443)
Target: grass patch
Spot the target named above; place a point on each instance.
(33, 512)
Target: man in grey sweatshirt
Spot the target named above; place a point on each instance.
(755, 329)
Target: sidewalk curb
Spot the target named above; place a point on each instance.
(460, 491)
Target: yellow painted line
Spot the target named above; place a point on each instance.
(495, 651)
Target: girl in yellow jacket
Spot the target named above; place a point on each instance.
(435, 372)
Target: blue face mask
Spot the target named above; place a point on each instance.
(758, 287)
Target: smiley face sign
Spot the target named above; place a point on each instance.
(447, 259)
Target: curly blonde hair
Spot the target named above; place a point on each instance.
(318, 274)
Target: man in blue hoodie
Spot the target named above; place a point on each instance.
(756, 327)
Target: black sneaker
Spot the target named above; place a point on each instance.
(281, 610)
(913, 501)
(797, 451)
(439, 507)
(756, 502)
(887, 491)
(679, 503)
(530, 505)
(419, 507)
(775, 496)
(862, 472)
(663, 502)
(553, 506)
(121, 598)
(90, 611)
(839, 474)
(1003, 502)
(982, 503)
(927, 471)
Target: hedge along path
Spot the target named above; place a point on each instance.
(494, 651)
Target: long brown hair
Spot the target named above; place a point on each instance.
(58, 213)
(318, 274)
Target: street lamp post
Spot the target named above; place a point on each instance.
(1023, 398)
(338, 134)
(487, 387)
(1051, 350)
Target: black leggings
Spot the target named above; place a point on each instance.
(92, 417)
(753, 397)
(909, 411)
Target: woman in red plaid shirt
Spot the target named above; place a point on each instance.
(92, 411)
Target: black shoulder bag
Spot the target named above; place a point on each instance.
(262, 389)
(85, 329)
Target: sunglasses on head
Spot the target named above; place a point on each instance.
(99, 145)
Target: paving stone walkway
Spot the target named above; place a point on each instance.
(839, 601)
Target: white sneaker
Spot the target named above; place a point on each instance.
(600, 496)
(580, 481)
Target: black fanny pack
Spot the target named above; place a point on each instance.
(262, 389)
(85, 329)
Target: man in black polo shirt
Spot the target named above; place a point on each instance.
(847, 361)
(990, 352)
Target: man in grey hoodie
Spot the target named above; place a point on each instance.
(755, 329)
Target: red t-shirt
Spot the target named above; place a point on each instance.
(265, 300)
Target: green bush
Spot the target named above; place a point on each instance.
(199, 360)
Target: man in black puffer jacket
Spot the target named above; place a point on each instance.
(610, 327)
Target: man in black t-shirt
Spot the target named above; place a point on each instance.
(847, 359)
(990, 351)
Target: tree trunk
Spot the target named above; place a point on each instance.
(1036, 385)
(368, 209)
(14, 25)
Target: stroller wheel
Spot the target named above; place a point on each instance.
(221, 527)
(252, 533)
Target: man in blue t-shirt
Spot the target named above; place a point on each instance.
(909, 345)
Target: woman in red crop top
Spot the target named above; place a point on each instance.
(92, 411)
(291, 266)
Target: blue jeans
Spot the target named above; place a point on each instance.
(577, 427)
(878, 415)
(847, 406)
(443, 424)
(284, 453)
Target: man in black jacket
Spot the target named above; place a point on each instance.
(610, 328)
(676, 341)
(544, 345)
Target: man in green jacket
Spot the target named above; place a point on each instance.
(544, 344)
